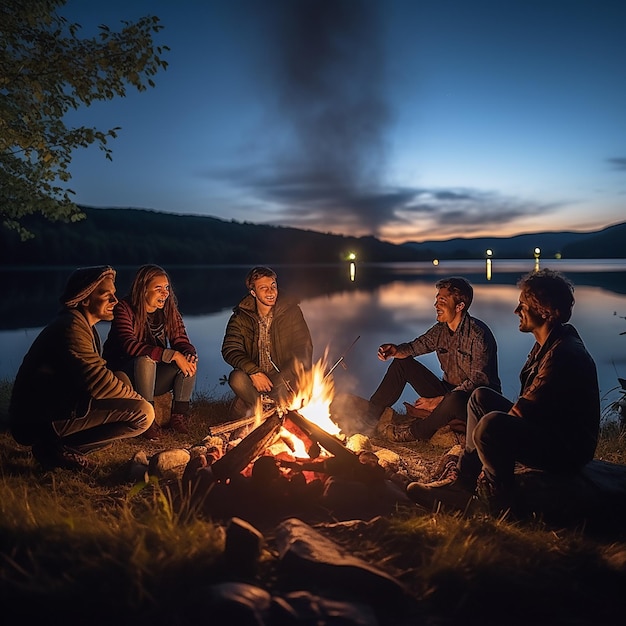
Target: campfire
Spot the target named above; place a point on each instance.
(301, 434)
(292, 460)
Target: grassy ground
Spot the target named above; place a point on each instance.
(95, 549)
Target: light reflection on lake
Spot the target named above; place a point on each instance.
(385, 303)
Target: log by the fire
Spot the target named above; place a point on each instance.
(326, 440)
(248, 449)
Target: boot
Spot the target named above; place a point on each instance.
(153, 433)
(178, 423)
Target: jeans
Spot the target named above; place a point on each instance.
(151, 379)
(242, 386)
(496, 440)
(409, 371)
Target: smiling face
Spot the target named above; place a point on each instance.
(157, 293)
(265, 291)
(447, 309)
(101, 302)
(530, 320)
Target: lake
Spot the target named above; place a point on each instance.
(378, 303)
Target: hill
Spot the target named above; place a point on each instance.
(135, 236)
(607, 243)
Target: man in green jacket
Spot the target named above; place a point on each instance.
(65, 402)
(266, 341)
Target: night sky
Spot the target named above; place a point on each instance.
(403, 119)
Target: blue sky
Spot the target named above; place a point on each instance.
(402, 119)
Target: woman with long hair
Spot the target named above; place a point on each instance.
(148, 341)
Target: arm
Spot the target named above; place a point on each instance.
(238, 347)
(89, 367)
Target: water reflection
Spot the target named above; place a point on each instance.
(380, 303)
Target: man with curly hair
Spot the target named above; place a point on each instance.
(554, 423)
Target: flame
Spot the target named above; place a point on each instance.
(314, 396)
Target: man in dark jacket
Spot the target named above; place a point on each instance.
(65, 402)
(554, 423)
(266, 341)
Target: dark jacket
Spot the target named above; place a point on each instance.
(60, 374)
(559, 392)
(123, 345)
(289, 335)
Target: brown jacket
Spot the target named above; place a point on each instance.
(59, 376)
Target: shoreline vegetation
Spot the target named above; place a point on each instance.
(108, 235)
(101, 548)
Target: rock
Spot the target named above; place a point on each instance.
(359, 443)
(169, 463)
(309, 560)
(243, 548)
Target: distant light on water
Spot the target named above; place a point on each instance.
(435, 261)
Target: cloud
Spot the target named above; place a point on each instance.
(290, 197)
(618, 163)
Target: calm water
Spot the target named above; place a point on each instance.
(384, 303)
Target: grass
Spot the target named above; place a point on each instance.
(95, 549)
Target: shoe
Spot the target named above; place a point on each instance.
(448, 469)
(452, 495)
(385, 419)
(178, 423)
(153, 433)
(398, 433)
(496, 500)
(52, 456)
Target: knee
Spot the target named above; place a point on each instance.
(144, 364)
(491, 427)
(238, 380)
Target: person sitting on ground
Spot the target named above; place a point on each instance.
(552, 426)
(148, 342)
(65, 402)
(467, 353)
(267, 339)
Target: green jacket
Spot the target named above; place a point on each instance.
(289, 335)
(59, 376)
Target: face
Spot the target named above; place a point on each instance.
(157, 293)
(99, 305)
(446, 308)
(265, 291)
(529, 319)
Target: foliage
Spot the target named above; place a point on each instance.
(135, 236)
(46, 70)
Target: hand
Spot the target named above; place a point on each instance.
(187, 363)
(261, 382)
(386, 351)
(428, 404)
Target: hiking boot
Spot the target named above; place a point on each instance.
(385, 419)
(495, 499)
(178, 423)
(153, 433)
(451, 494)
(398, 433)
(52, 456)
(447, 470)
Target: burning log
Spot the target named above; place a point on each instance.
(329, 442)
(250, 447)
(344, 462)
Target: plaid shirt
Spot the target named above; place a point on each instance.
(265, 346)
(468, 356)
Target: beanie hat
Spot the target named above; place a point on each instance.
(82, 282)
